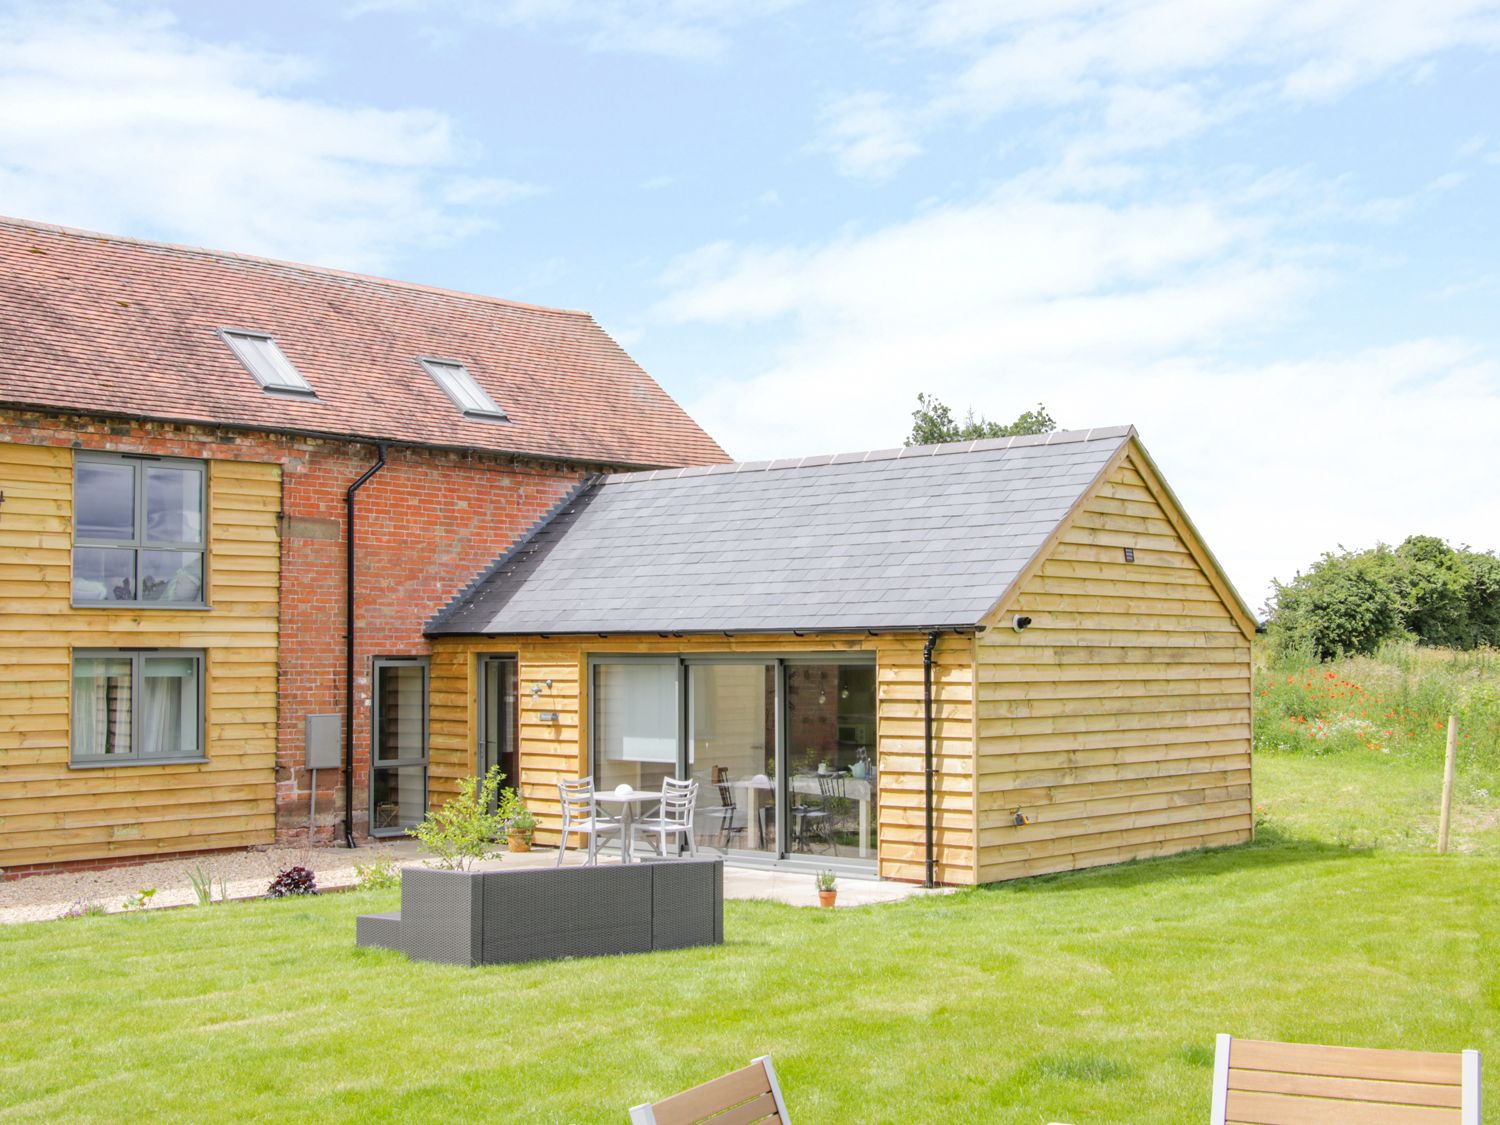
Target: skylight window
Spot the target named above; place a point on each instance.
(267, 362)
(460, 386)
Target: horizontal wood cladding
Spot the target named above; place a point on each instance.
(50, 813)
(1118, 723)
(552, 751)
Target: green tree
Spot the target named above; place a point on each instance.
(933, 423)
(1351, 601)
(1344, 603)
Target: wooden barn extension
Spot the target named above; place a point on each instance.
(1090, 677)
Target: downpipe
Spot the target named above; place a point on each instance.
(349, 605)
(927, 758)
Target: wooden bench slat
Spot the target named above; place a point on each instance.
(1281, 1109)
(1346, 1062)
(761, 1109)
(1353, 1089)
(693, 1105)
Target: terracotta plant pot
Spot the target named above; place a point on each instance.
(518, 843)
(825, 898)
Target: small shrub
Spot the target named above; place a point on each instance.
(204, 882)
(827, 881)
(140, 899)
(380, 874)
(293, 881)
(517, 817)
(464, 829)
(84, 909)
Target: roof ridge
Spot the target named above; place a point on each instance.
(941, 449)
(305, 267)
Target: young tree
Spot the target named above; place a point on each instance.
(933, 423)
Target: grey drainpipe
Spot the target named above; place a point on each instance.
(349, 643)
(927, 763)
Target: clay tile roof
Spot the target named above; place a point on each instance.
(95, 324)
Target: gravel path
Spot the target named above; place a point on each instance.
(37, 898)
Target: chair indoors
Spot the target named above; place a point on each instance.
(728, 808)
(581, 814)
(673, 818)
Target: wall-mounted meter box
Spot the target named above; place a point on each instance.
(323, 736)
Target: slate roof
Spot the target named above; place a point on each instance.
(95, 324)
(928, 536)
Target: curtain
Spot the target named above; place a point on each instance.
(169, 706)
(101, 706)
(635, 712)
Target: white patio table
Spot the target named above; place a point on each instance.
(627, 798)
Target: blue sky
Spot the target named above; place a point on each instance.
(1264, 231)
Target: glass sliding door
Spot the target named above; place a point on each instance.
(497, 719)
(731, 751)
(636, 718)
(830, 786)
(398, 740)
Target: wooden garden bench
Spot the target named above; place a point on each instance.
(742, 1097)
(1261, 1083)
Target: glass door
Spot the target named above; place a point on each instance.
(398, 737)
(831, 787)
(497, 719)
(731, 752)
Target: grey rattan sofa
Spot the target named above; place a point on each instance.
(497, 917)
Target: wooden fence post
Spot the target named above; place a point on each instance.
(1448, 764)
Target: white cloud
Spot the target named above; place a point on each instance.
(684, 29)
(1110, 314)
(119, 121)
(1123, 75)
(866, 136)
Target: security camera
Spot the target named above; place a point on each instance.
(1019, 623)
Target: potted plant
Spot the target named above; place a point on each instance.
(519, 823)
(828, 889)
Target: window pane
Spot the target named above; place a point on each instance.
(635, 723)
(832, 785)
(732, 753)
(399, 798)
(169, 707)
(101, 706)
(398, 725)
(103, 574)
(172, 576)
(267, 362)
(104, 500)
(461, 387)
(174, 505)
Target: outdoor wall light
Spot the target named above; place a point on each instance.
(536, 688)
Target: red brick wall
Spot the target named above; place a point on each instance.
(426, 525)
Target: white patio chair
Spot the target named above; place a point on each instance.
(581, 814)
(673, 817)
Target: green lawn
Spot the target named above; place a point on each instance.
(1088, 998)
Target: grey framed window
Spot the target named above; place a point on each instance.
(137, 706)
(138, 530)
(460, 386)
(264, 359)
(398, 744)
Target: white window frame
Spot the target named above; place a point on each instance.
(459, 384)
(277, 375)
(139, 542)
(137, 658)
